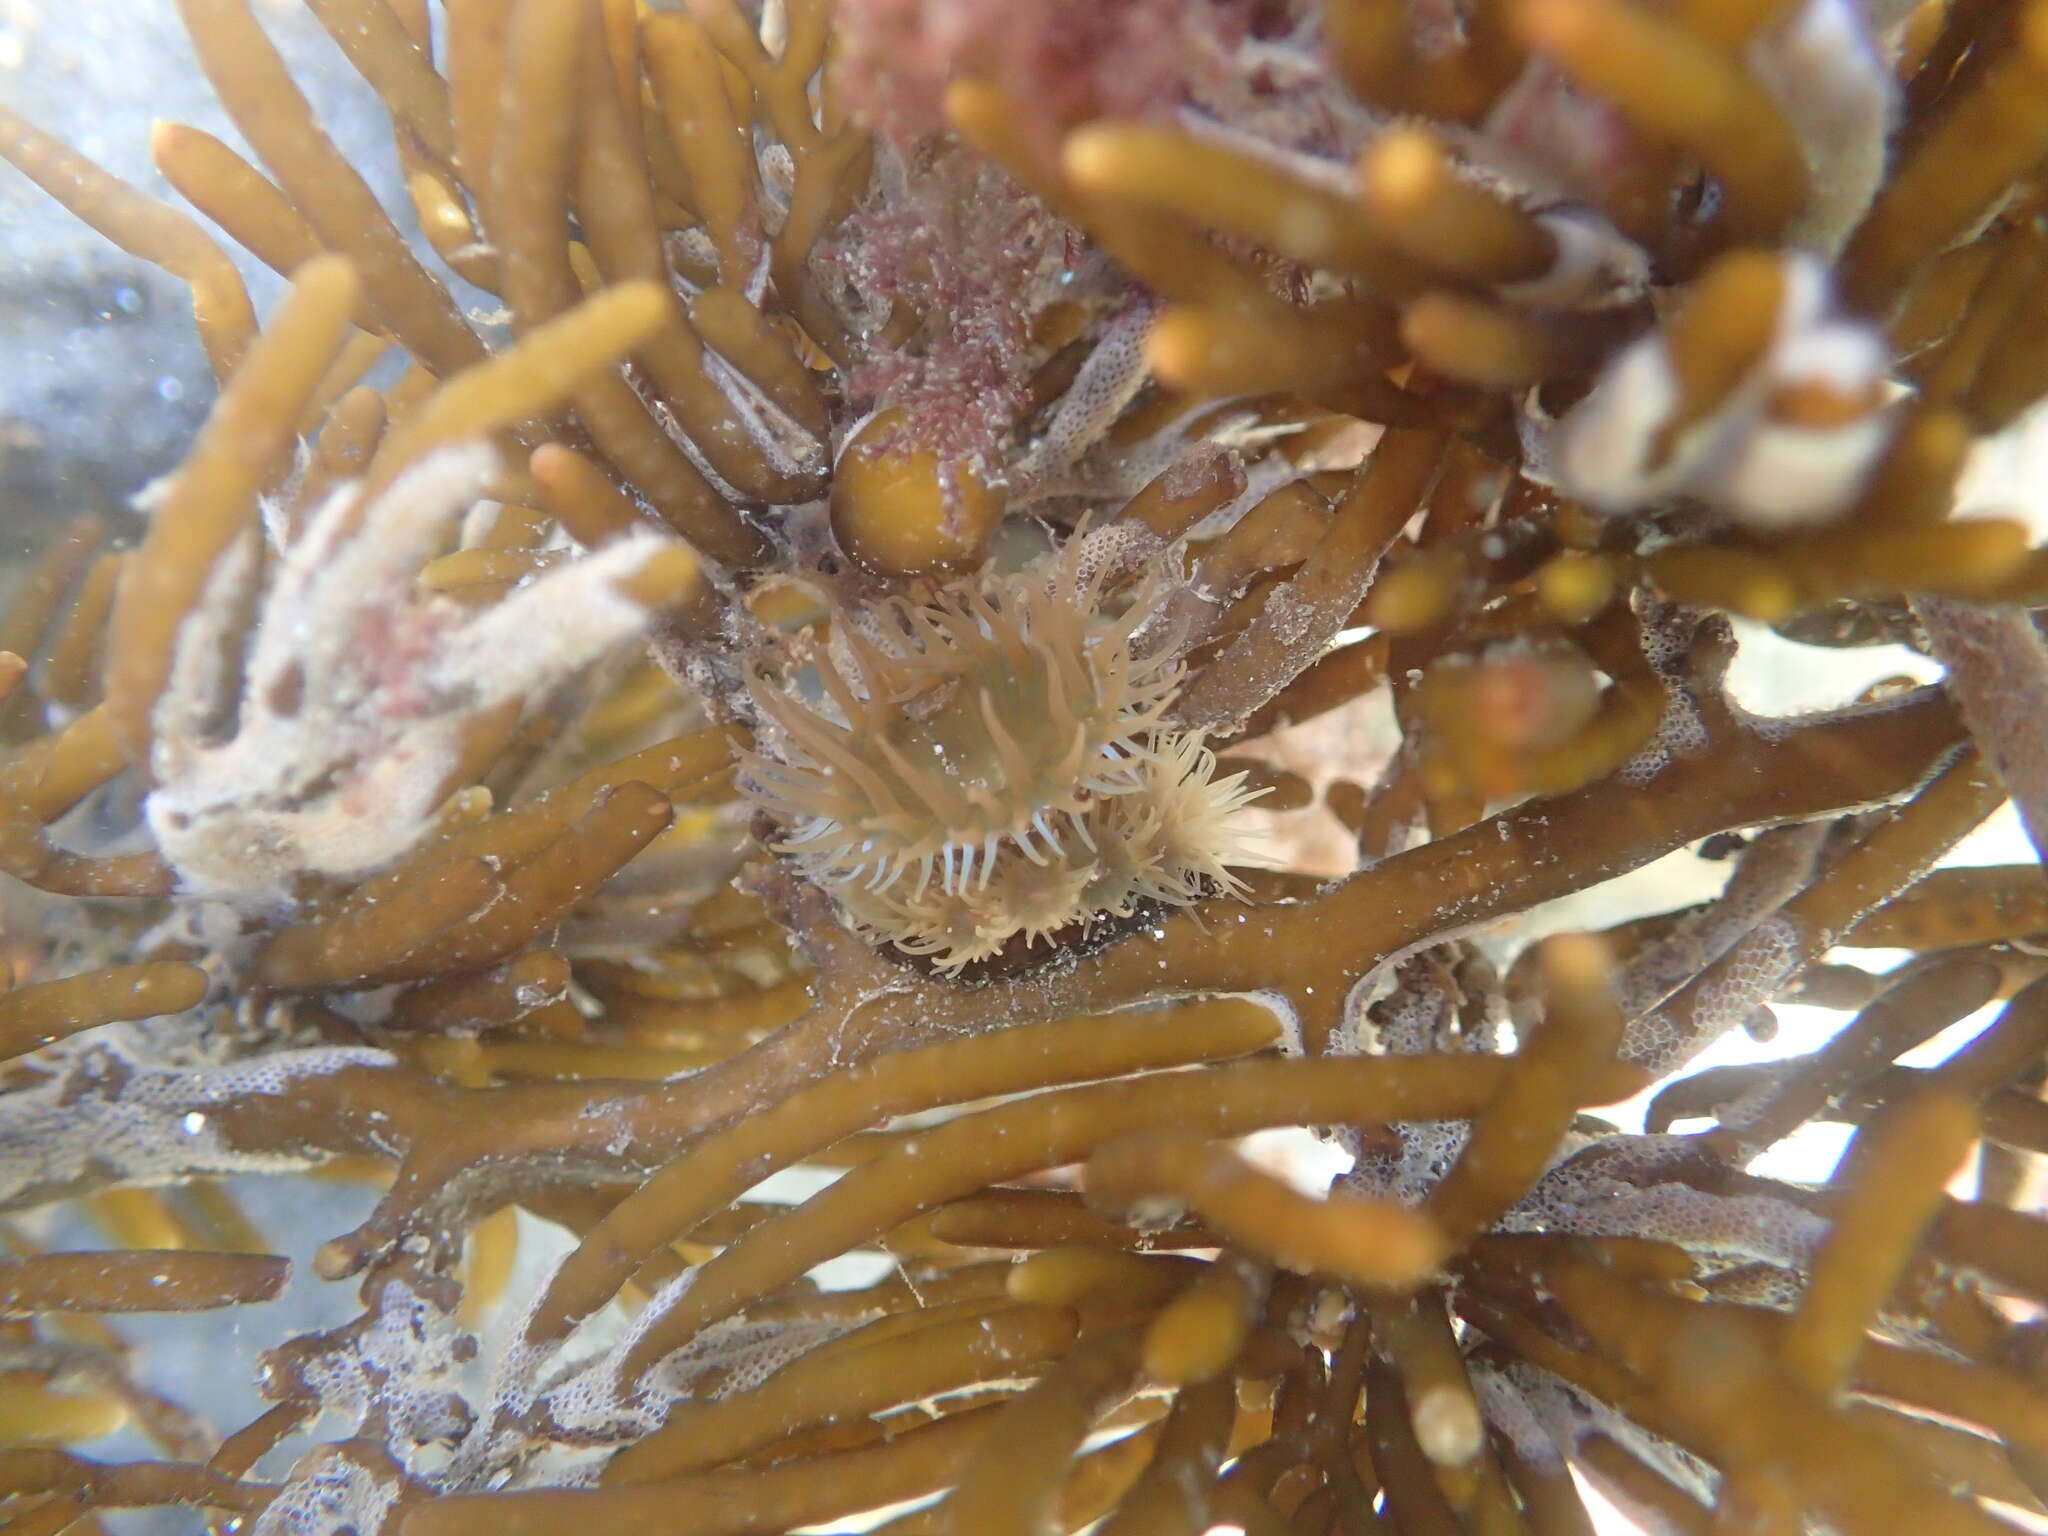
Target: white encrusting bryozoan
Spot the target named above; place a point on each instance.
(1627, 445)
(360, 688)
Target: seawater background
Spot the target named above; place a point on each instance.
(103, 384)
(103, 380)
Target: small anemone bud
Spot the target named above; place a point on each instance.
(1447, 1426)
(899, 511)
(1575, 587)
(1524, 698)
(1416, 594)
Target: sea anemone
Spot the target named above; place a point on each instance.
(997, 764)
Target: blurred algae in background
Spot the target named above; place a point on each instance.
(998, 766)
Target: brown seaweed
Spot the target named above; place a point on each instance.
(758, 716)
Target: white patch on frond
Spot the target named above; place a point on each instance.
(359, 690)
